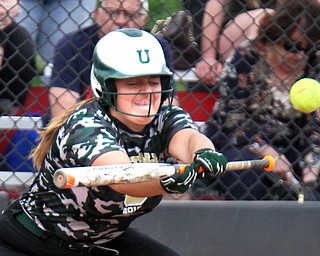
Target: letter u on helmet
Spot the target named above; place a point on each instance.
(127, 53)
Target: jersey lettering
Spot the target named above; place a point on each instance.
(133, 204)
(145, 158)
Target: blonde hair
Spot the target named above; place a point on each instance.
(48, 134)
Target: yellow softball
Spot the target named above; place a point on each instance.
(305, 95)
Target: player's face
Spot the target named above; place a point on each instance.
(138, 100)
(116, 14)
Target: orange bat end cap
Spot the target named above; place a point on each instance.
(70, 181)
(271, 165)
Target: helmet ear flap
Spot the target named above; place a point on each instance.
(106, 96)
(110, 93)
(166, 88)
(95, 85)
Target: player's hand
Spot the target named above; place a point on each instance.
(212, 162)
(179, 183)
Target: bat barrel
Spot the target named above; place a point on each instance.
(111, 174)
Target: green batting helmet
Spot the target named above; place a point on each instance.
(127, 53)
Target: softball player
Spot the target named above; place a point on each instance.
(126, 122)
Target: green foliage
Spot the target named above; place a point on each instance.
(160, 9)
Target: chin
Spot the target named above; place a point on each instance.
(144, 113)
(140, 122)
(143, 118)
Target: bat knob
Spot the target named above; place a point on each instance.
(62, 180)
(271, 165)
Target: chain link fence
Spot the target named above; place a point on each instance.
(25, 75)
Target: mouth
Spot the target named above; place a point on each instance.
(289, 65)
(142, 103)
(143, 107)
(286, 68)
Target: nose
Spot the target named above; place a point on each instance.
(145, 87)
(122, 18)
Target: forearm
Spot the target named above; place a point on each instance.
(197, 142)
(197, 151)
(186, 142)
(141, 189)
(211, 26)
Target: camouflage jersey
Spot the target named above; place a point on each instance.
(97, 214)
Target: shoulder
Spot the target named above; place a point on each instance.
(176, 117)
(166, 50)
(90, 112)
(18, 33)
(88, 133)
(81, 37)
(244, 57)
(172, 120)
(18, 43)
(163, 42)
(16, 28)
(88, 122)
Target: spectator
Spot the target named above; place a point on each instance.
(214, 37)
(243, 27)
(70, 80)
(17, 69)
(311, 170)
(254, 117)
(47, 21)
(222, 32)
(126, 123)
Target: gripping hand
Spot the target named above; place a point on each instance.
(212, 162)
(179, 183)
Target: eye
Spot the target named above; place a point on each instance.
(131, 81)
(154, 81)
(132, 84)
(294, 47)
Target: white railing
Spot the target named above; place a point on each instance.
(20, 122)
(29, 123)
(11, 180)
(185, 75)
